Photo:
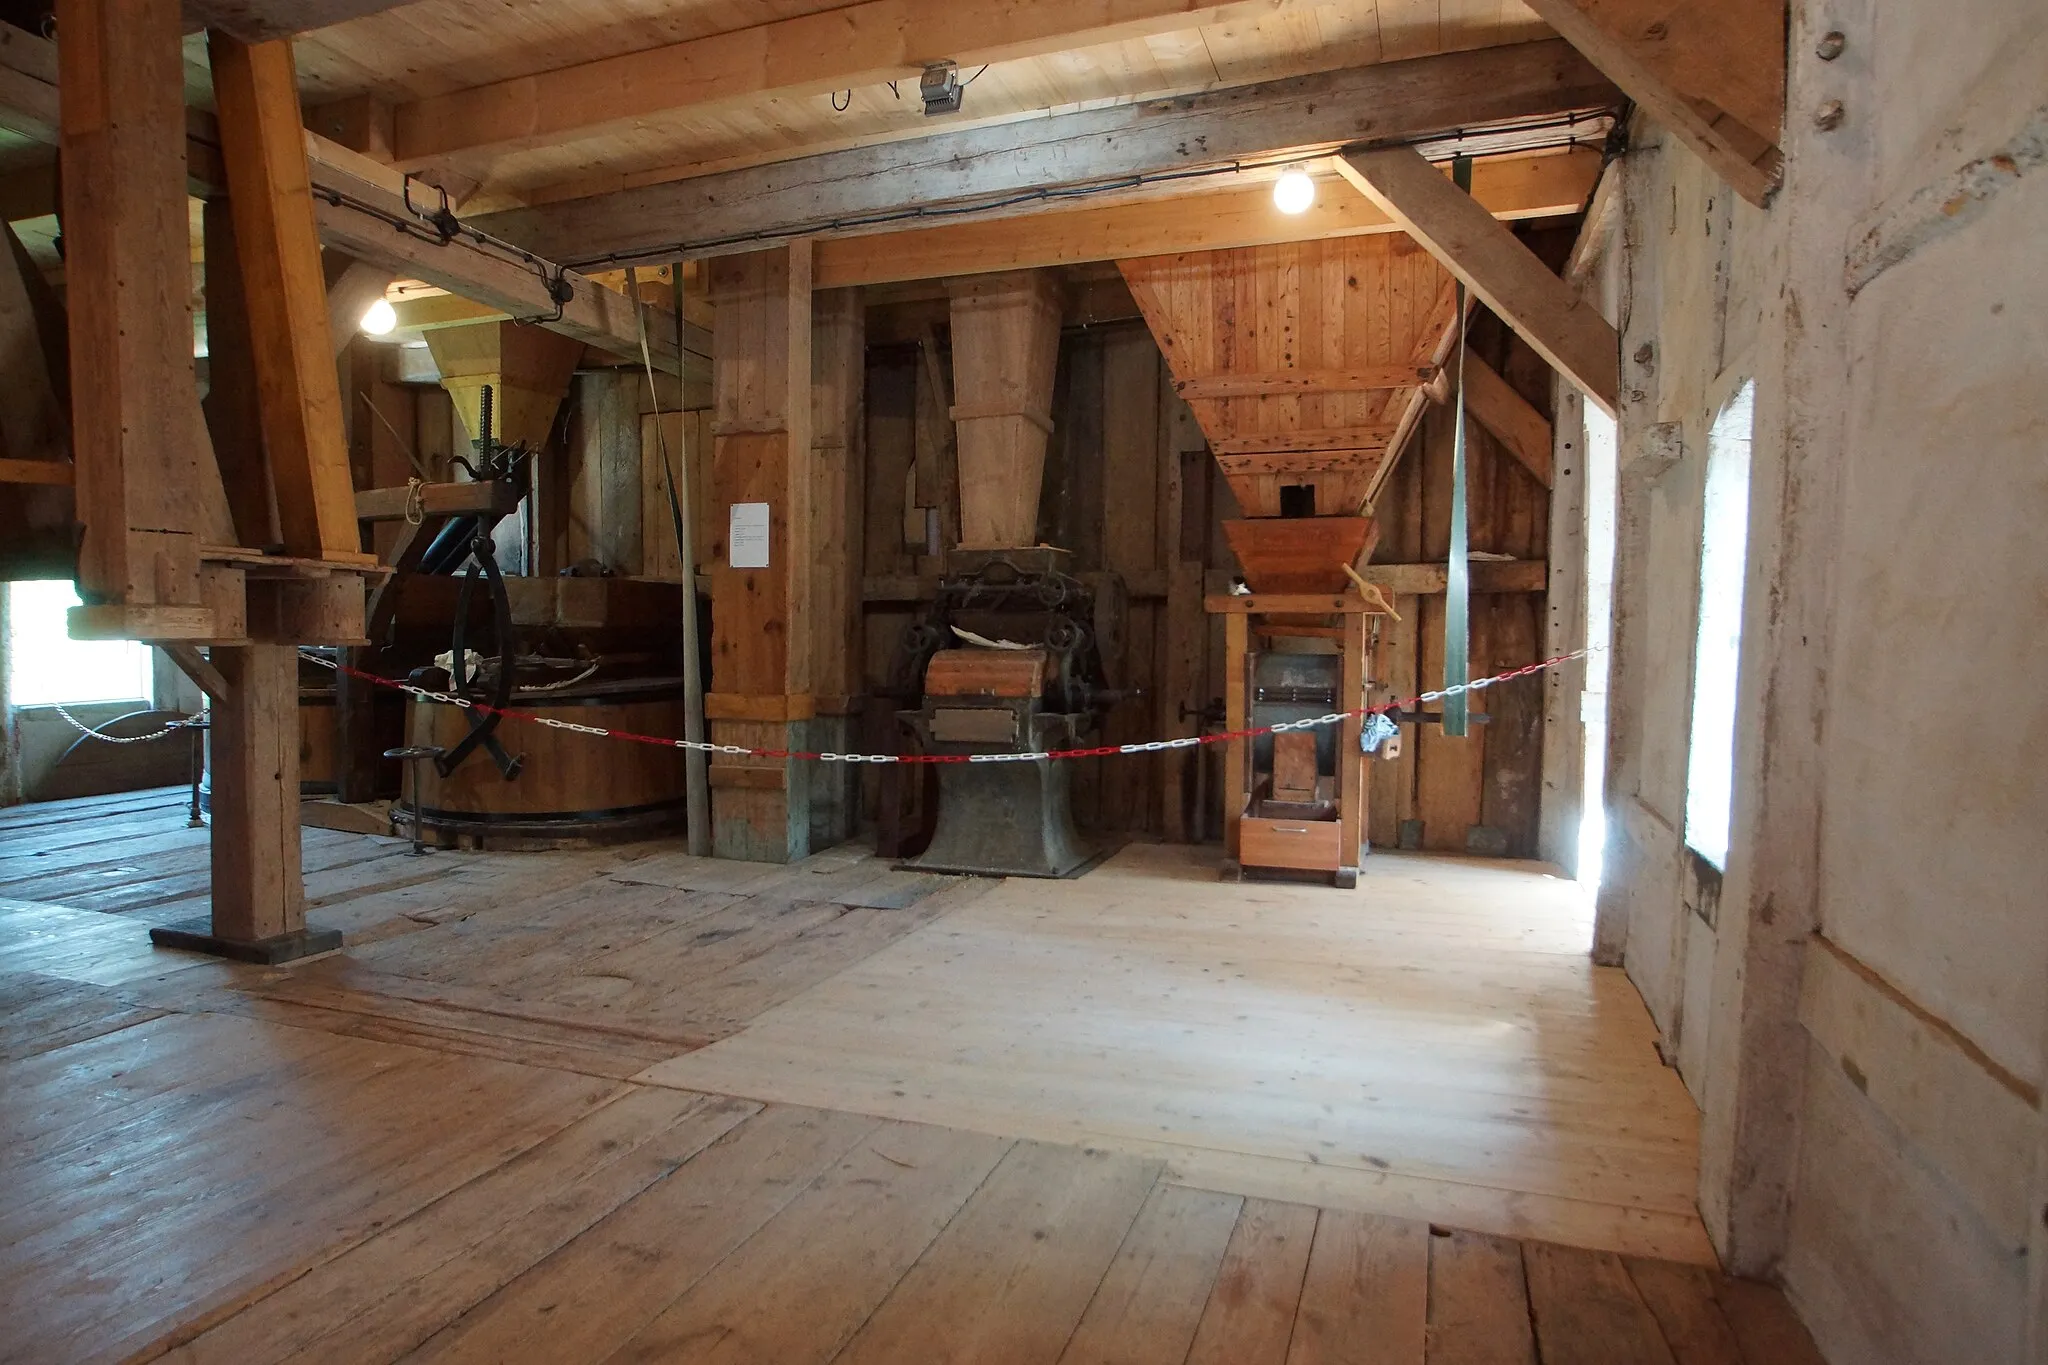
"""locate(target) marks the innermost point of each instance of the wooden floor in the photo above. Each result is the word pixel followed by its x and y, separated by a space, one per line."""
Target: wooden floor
pixel 631 1106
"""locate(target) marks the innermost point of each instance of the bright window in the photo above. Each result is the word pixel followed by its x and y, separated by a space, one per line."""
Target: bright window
pixel 1601 455
pixel 1724 548
pixel 45 665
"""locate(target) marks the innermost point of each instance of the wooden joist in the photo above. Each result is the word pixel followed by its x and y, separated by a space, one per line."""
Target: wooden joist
pixel 49 473
pixel 1712 71
pixel 256 21
pixel 1535 185
pixel 487 497
pixel 807 54
pixel 1307 115
pixel 1545 311
pixel 285 294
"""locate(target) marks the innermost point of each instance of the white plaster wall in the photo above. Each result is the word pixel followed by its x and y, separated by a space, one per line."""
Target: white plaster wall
pixel 1871 1121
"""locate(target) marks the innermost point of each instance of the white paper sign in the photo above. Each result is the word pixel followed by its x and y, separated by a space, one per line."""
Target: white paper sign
pixel 747 538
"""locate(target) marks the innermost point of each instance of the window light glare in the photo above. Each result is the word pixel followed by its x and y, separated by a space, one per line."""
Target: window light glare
pixel 380 318
pixel 1293 192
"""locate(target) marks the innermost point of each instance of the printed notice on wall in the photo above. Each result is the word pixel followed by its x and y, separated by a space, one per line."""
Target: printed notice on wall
pixel 747 538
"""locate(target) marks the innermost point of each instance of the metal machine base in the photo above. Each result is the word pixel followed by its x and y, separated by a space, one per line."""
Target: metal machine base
pixel 197 936
pixel 1005 820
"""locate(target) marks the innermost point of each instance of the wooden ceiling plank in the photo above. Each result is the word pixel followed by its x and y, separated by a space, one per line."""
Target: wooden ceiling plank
pixel 1544 310
pixel 858 45
pixel 1304 116
pixel 1712 71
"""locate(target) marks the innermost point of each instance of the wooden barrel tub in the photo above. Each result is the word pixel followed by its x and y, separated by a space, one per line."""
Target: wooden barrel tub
pixel 572 788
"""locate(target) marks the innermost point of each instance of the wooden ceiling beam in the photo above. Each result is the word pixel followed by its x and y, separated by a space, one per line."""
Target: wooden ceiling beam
pixel 1302 116
pixel 257 21
pixel 1544 310
pixel 1536 186
pixel 1712 71
pixel 858 45
pixel 598 316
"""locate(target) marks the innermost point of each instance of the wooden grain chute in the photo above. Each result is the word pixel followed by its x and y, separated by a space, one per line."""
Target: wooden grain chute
pixel 1006 338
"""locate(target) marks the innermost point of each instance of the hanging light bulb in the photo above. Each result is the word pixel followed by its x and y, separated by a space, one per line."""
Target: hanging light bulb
pixel 1293 192
pixel 380 318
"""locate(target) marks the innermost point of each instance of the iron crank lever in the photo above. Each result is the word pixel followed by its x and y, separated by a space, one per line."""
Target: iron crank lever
pixel 483 731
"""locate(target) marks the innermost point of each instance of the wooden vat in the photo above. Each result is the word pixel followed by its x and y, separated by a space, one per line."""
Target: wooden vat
pixel 571 788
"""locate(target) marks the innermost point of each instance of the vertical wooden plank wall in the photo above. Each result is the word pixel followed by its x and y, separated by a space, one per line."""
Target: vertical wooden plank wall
pixel 1482 793
pixel 838 538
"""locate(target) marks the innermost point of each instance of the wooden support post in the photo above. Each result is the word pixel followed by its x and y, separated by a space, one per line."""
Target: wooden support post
pixel 299 396
pixel 1006 343
pixel 1237 753
pixel 1473 245
pixel 259 893
pixel 838 496
pixel 761 646
pixel 1350 761
pixel 148 491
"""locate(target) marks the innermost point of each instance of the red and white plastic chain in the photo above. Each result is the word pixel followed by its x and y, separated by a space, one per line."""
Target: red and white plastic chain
pixel 1099 751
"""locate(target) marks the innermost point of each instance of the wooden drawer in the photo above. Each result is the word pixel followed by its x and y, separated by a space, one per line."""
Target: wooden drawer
pixel 1312 845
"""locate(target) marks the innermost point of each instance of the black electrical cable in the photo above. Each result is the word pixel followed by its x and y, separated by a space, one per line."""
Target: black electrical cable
pixel 1574 131
pixel 554 277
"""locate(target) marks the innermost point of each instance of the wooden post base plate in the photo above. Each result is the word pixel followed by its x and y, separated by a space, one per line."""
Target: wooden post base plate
pixel 197 936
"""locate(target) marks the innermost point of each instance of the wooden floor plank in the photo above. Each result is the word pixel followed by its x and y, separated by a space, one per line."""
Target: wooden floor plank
pixel 803 1285
pixel 394 1291
pixel 1681 1298
pixel 593 1295
pixel 1148 1306
pixel 1478 1302
pixel 1249 1317
pixel 1587 1310
pixel 1008 1280
pixel 1365 1299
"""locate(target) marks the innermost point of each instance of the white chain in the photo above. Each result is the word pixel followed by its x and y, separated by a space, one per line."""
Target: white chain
pixel 182 723
pixel 1032 756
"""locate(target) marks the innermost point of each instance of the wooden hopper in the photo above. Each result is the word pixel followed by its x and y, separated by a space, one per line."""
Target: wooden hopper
pixel 1006 342
pixel 1300 554
pixel 1304 362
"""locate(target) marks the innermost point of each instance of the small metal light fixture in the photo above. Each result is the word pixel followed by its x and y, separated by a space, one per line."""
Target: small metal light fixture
pixel 1293 192
pixel 379 319
pixel 940 88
